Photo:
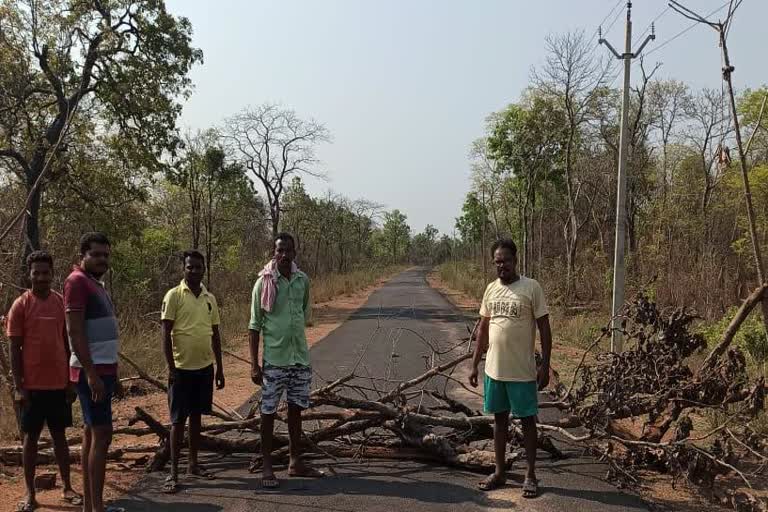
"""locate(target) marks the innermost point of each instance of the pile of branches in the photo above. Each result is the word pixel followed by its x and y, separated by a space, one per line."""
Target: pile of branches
pixel 635 410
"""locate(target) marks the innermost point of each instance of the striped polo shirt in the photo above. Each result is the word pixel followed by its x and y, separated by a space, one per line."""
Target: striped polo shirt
pixel 83 292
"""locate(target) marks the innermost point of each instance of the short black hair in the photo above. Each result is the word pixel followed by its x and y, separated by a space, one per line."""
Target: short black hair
pixel 286 237
pixel 504 243
pixel 89 239
pixel 194 254
pixel 39 257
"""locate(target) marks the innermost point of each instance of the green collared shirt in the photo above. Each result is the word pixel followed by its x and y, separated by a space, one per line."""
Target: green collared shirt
pixel 285 342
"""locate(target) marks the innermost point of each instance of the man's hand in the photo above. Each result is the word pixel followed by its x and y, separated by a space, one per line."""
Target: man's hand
pixel 543 376
pixel 98 391
pixel 21 397
pixel 473 377
pixel 220 382
pixel 71 393
pixel 256 375
pixel 119 388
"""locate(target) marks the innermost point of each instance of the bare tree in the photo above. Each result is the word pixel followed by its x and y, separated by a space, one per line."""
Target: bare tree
pixel 573 76
pixel 273 144
pixel 670 102
pixel 708 129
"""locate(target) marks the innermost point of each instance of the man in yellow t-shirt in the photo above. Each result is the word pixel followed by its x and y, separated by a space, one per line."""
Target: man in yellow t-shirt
pixel 191 342
pixel 513 307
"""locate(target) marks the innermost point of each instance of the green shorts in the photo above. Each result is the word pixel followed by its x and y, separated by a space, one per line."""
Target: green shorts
pixel 521 399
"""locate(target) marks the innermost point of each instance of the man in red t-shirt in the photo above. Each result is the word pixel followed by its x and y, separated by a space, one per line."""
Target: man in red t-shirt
pixel 40 364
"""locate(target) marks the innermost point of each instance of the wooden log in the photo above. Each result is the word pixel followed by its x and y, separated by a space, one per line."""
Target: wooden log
pixel 733 327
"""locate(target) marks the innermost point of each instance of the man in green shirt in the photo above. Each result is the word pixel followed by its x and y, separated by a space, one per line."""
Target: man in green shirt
pixel 280 309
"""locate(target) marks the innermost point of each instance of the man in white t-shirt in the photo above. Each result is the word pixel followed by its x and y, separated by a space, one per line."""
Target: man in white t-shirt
pixel 513 307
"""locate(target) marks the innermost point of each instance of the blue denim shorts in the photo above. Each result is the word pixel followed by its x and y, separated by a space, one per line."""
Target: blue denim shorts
pixel 96 413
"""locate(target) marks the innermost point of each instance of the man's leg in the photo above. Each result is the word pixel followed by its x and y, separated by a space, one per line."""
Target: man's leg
pixel 85 457
pixel 97 463
pixel 530 440
pixel 59 419
pixel 496 402
pixel 298 400
pixel 61 449
pixel 194 444
pixel 177 437
pixel 30 463
pixel 267 430
pixel 200 399
pixel 500 431
pixel 294 436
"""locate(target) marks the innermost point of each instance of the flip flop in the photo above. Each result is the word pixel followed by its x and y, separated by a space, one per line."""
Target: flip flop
pixel 270 483
pixel 76 499
pixel 114 509
pixel 202 474
pixel 171 485
pixel 26 506
pixel 530 488
pixel 307 472
pixel 491 482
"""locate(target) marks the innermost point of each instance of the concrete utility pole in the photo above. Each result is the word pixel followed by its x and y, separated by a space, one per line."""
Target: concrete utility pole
pixel 621 193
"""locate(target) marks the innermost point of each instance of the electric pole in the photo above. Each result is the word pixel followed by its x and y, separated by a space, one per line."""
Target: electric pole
pixel 621 192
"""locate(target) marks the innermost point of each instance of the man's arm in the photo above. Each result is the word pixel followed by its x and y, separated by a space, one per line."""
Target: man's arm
pixel 307 306
pixel 168 349
pixel 253 341
pixel 76 331
pixel 480 348
pixel 216 344
pixel 17 367
pixel 254 327
pixel 545 333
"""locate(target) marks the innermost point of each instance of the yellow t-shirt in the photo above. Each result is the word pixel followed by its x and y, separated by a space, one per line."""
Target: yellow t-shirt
pixel 513 310
pixel 193 321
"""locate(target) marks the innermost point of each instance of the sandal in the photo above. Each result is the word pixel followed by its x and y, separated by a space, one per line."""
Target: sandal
pixel 530 488
pixel 270 482
pixel 75 499
pixel 199 472
pixel 306 472
pixel 491 482
pixel 171 485
pixel 26 506
pixel 114 509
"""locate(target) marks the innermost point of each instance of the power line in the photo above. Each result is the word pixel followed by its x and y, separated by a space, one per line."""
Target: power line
pixel 600 25
pixel 615 19
pixel 686 30
pixel 657 18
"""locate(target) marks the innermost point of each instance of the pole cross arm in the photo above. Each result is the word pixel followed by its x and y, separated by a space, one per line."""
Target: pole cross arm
pixel 613 50
pixel 651 37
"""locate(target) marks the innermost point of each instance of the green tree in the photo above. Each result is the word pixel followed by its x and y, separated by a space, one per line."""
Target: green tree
pixel 79 72
pixel 396 235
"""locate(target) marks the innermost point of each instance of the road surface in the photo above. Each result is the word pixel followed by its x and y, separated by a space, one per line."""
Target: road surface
pixel 379 331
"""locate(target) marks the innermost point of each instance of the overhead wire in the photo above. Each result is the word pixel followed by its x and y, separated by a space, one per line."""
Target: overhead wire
pixel 610 13
pixel 686 30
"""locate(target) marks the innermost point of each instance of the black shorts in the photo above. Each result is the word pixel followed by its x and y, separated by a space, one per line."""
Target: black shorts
pixel 43 407
pixel 191 394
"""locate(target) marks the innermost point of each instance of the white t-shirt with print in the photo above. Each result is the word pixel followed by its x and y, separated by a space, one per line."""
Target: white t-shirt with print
pixel 513 310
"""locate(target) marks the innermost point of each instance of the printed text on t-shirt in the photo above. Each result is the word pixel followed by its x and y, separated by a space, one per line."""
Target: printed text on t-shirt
pixel 508 308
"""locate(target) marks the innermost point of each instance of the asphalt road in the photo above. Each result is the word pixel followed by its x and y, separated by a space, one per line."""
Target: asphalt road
pixel 388 338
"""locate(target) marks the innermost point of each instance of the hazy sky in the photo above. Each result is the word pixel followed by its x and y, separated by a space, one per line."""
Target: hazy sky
pixel 404 86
